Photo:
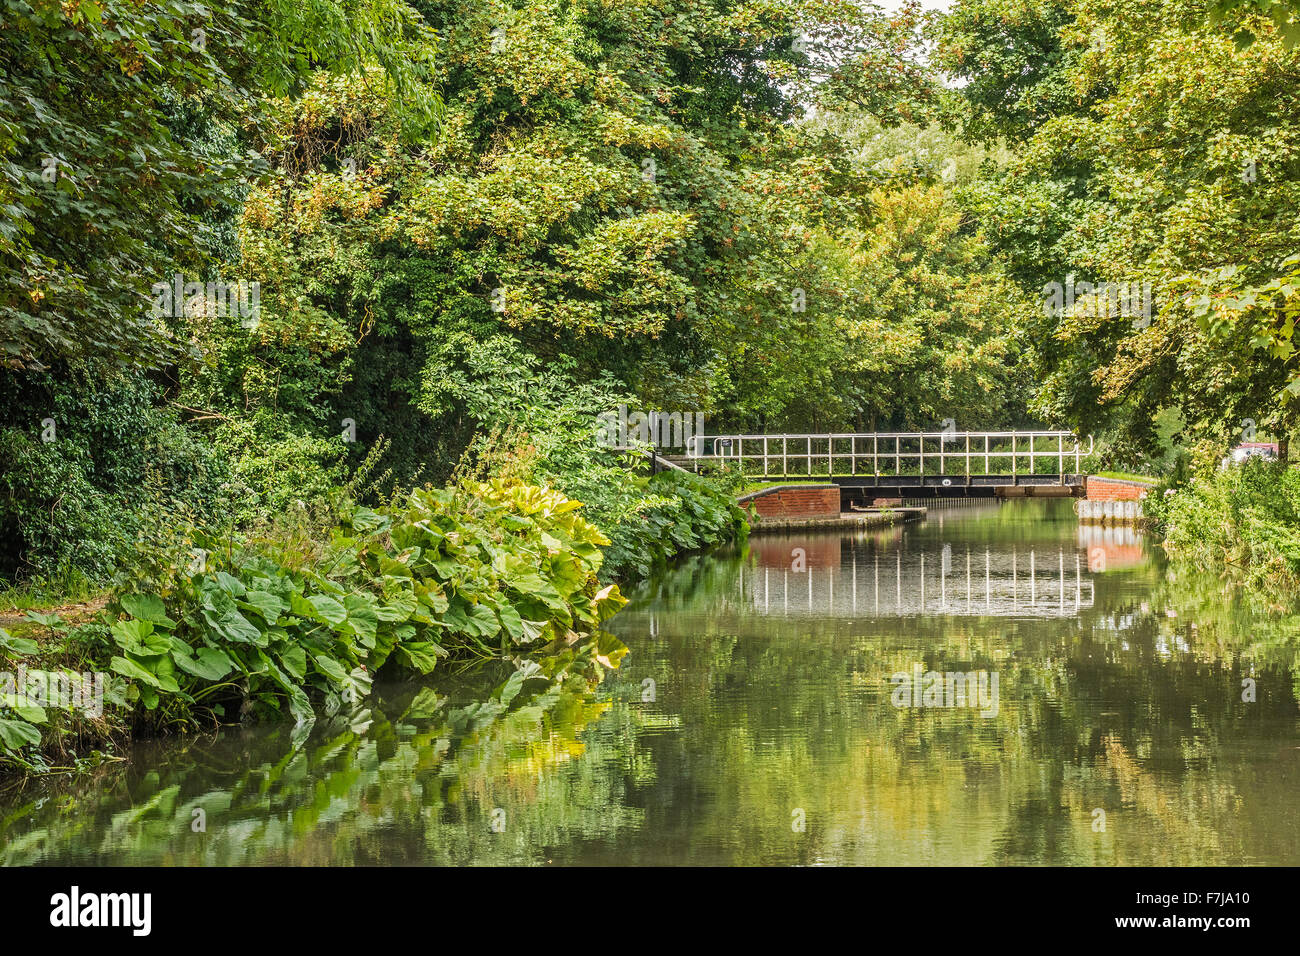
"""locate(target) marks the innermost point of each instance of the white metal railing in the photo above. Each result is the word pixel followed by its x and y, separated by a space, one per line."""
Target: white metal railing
pixel 904 454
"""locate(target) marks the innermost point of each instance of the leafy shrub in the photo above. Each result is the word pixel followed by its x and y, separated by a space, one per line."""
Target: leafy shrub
pixel 1244 519
pixel 71 494
pixel 479 568
pixel 552 439
pixel 274 466
pixel 679 512
pixel 36 730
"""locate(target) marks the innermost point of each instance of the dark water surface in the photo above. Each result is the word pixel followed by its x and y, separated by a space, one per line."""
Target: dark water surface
pixel 757 720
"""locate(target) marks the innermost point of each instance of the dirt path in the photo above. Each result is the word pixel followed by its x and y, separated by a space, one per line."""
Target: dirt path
pixel 73 613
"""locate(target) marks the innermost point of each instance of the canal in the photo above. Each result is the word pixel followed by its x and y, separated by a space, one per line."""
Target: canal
pixel 995 684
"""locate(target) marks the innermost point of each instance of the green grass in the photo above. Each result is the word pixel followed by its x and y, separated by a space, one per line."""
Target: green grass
pixel 1127 476
pixel 41 593
pixel 752 486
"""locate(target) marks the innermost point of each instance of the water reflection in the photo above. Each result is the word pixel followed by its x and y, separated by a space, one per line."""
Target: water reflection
pixel 491 771
pixel 733 711
pixel 849 578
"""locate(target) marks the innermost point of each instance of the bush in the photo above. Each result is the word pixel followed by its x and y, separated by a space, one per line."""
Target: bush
pixel 552 439
pixel 480 568
pixel 81 459
pixel 678 511
pixel 1245 520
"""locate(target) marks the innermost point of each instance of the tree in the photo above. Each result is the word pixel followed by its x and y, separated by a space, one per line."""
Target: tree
pixel 103 195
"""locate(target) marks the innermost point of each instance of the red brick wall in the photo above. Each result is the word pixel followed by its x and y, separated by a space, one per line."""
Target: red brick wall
pixel 1106 489
pixel 797 503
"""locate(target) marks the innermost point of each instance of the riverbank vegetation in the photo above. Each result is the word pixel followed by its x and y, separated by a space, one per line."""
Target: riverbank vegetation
pixel 288 288
pixel 306 616
pixel 1243 520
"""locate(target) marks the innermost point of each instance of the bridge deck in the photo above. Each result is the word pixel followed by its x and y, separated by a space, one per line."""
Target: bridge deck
pixel 899 460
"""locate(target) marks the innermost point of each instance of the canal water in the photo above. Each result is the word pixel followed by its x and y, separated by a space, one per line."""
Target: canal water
pixel 994 685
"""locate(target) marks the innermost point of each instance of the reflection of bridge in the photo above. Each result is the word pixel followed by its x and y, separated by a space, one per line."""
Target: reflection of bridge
pixel 905 463
pixel 1033 583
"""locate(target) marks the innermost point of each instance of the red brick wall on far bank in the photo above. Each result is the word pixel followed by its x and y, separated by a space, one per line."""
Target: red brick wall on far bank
pixel 795 502
pixel 1110 489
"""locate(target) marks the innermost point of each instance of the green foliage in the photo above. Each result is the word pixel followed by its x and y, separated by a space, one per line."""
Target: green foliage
pixel 606 198
pixel 285 620
pixel 1285 15
pixel 1014 62
pixel 82 460
pixel 677 512
pixel 1255 318
pixel 102 192
pixel 1243 520
pixel 1169 162
pixel 49 700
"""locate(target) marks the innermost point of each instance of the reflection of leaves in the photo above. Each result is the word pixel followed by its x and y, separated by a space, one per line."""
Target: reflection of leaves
pixel 269 792
pixel 425 705
pixel 514 684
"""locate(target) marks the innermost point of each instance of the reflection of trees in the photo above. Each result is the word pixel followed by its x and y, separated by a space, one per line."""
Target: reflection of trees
pixel 1132 705
pixel 1121 707
pixel 415 778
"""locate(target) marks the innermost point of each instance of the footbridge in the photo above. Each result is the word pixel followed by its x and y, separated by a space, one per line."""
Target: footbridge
pixel 871 465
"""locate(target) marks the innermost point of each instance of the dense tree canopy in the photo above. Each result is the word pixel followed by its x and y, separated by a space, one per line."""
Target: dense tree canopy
pixel 464 216
pixel 1168 158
